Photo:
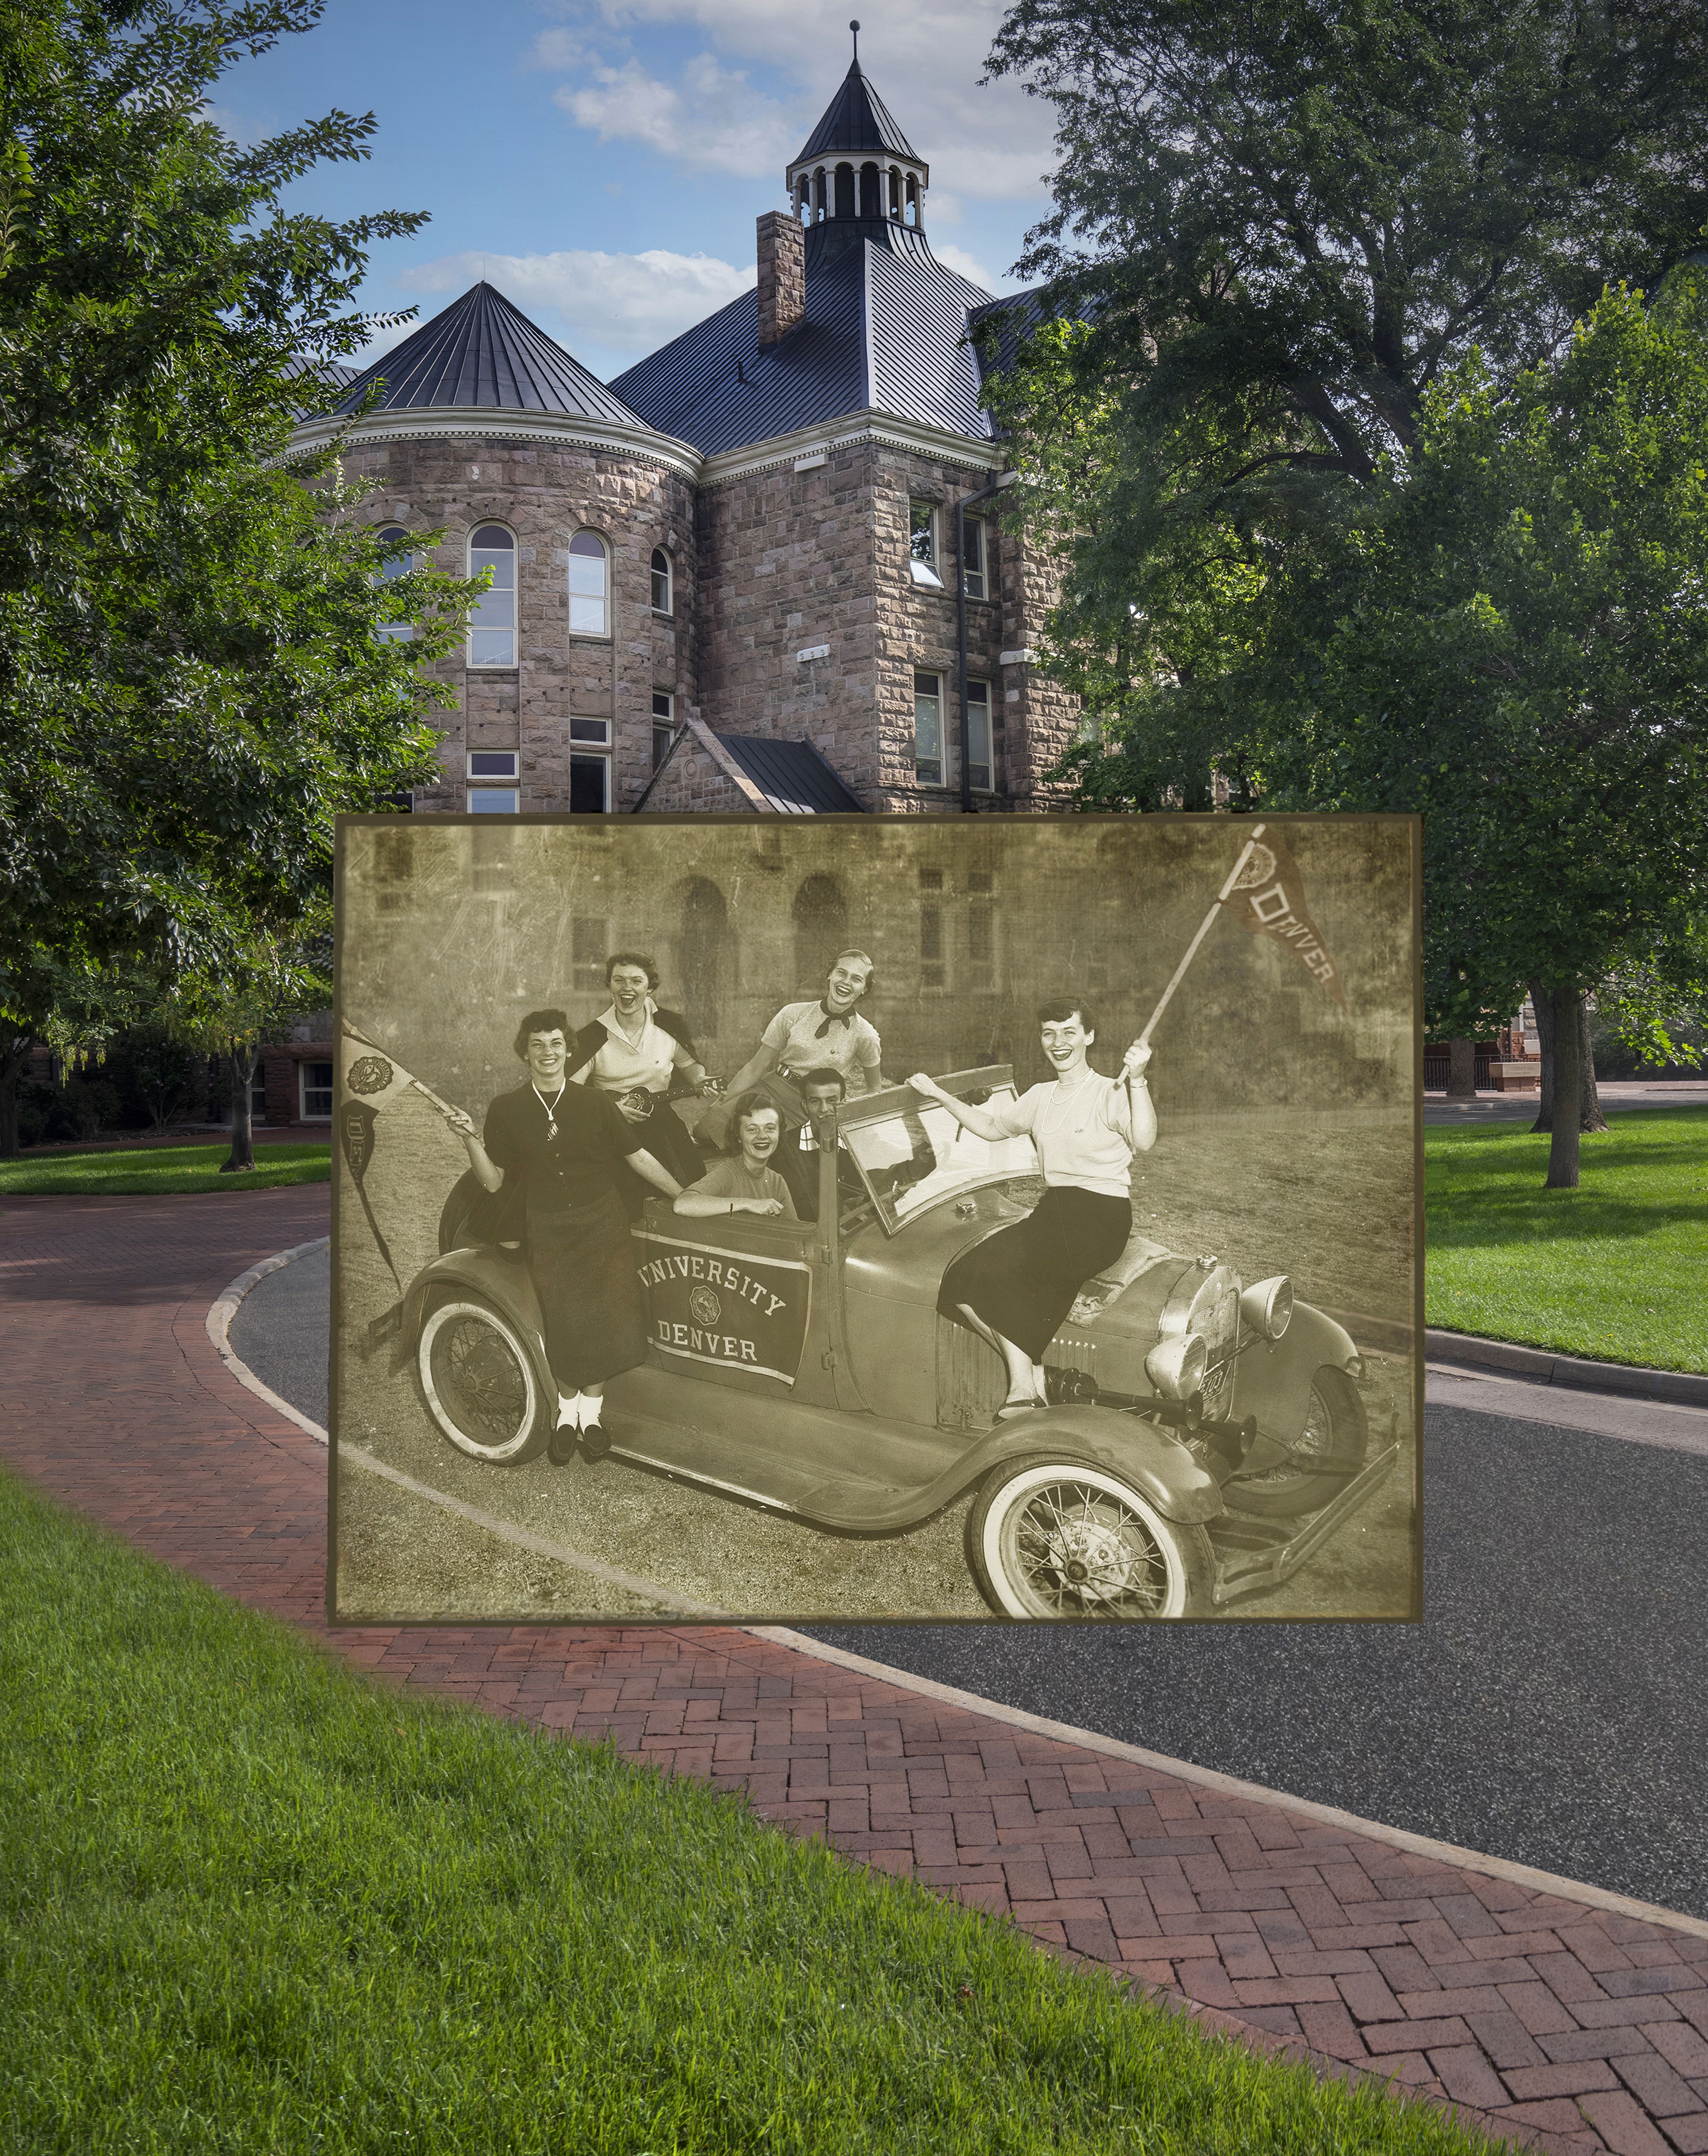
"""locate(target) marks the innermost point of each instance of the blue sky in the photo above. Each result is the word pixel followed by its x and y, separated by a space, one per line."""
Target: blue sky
pixel 602 161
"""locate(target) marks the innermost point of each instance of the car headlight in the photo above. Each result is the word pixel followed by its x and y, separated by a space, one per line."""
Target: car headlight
pixel 1176 1366
pixel 1266 1306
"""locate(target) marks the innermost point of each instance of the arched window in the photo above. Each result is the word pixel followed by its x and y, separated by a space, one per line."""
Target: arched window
pixel 492 625
pixel 894 194
pixel 663 597
pixel 821 930
pixel 400 565
pixel 819 202
pixel 701 958
pixel 844 190
pixel 589 595
pixel 912 200
pixel 870 205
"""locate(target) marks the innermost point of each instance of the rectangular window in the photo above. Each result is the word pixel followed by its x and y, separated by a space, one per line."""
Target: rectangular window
pixel 587 951
pixel 979 761
pixel 316 1081
pixel 663 725
pixel 931 946
pixel 922 543
pixel 981 945
pixel 258 1090
pixel 589 785
pixel 493 801
pixel 493 764
pixel 972 567
pixel 590 730
pixel 928 729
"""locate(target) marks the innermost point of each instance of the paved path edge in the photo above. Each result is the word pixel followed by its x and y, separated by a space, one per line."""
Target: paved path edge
pixel 219 1317
pixel 1544 1367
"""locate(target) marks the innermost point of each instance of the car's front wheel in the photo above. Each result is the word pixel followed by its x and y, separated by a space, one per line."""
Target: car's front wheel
pixel 477 1381
pixel 1049 1537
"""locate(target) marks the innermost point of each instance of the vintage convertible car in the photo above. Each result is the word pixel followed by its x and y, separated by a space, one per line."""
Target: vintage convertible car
pixel 1194 1425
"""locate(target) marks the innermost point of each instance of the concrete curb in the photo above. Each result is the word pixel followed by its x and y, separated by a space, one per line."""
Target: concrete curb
pixel 218 1326
pixel 1542 1367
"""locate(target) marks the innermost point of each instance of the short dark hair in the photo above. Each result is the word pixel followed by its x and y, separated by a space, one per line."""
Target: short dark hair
pixel 1055 1010
pixel 752 1103
pixel 824 1076
pixel 644 959
pixel 542 1021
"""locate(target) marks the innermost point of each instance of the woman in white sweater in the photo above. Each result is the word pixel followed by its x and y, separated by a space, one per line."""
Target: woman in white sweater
pixel 1015 1287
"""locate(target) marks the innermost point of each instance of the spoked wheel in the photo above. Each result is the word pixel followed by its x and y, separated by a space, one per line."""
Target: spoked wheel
pixel 1053 1538
pixel 1337 1429
pixel 477 1380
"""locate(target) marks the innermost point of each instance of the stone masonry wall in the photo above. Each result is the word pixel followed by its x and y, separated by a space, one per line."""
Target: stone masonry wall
pixel 793 560
pixel 545 492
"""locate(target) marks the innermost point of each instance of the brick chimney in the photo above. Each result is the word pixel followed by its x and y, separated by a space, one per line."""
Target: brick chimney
pixel 782 275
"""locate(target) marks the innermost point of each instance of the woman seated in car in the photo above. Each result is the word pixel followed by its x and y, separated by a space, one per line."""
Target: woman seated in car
pixel 743 1182
pixel 632 1051
pixel 1014 1288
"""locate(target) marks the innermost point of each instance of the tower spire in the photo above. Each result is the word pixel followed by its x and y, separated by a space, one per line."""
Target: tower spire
pixel 855 28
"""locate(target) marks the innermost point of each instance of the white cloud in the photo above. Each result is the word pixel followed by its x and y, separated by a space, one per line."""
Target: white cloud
pixel 992 144
pixel 966 265
pixel 714 119
pixel 624 306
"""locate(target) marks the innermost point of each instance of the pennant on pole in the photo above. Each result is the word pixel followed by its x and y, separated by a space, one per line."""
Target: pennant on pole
pixel 1268 899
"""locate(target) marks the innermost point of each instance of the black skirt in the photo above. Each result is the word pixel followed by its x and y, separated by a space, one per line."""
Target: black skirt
pixel 1022 1280
pixel 583 1263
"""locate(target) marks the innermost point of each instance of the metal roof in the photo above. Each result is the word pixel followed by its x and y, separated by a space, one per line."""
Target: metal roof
pixel 792 776
pixel 884 327
pixel 857 119
pixel 483 351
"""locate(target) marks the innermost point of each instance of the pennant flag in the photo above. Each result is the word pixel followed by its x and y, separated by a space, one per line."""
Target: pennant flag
pixel 1268 899
pixel 372 1080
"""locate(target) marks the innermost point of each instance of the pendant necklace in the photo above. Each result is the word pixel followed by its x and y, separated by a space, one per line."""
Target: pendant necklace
pixel 550 1109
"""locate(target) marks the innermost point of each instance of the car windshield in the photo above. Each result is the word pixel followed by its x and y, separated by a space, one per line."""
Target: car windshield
pixel 911 1158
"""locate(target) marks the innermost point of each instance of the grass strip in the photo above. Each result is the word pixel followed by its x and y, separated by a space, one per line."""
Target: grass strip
pixel 254 1900
pixel 157 1171
pixel 1612 1270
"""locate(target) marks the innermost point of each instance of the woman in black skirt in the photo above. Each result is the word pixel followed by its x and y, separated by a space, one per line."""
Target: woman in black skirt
pixel 563 1146
pixel 1015 1287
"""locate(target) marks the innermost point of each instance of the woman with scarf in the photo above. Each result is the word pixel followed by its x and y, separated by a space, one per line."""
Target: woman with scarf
pixel 630 1052
pixel 826 1034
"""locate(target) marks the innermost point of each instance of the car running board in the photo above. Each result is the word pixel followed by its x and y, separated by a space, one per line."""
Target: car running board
pixel 1251 1554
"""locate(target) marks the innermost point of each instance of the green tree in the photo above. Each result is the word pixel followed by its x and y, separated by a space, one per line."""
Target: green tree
pixel 1511 636
pixel 191 681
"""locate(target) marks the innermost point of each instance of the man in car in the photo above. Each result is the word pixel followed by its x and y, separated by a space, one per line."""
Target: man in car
pixel 796 1159
pixel 827 1032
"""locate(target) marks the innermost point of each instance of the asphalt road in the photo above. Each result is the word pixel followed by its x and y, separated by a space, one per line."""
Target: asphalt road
pixel 1552 1708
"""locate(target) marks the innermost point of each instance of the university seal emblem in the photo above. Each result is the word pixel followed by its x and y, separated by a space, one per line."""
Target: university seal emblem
pixel 706 1306
pixel 369 1073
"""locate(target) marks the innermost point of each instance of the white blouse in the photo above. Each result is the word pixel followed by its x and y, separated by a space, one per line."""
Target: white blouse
pixel 621 1066
pixel 1084 1133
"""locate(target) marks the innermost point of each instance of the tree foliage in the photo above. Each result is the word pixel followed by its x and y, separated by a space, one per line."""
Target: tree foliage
pixel 191 682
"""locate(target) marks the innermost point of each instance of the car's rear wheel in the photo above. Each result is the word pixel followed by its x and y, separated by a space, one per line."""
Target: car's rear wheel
pixel 1050 1538
pixel 477 1380
pixel 1326 1454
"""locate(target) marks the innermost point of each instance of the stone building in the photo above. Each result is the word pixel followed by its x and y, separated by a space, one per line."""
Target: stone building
pixel 728 580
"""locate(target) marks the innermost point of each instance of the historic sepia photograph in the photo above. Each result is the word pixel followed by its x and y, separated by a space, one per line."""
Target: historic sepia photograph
pixel 842 1218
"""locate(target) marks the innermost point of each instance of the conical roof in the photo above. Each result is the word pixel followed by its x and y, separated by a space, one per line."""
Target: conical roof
pixel 482 352
pixel 857 119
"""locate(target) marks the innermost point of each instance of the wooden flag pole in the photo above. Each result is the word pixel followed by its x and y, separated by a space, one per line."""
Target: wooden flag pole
pixel 1233 876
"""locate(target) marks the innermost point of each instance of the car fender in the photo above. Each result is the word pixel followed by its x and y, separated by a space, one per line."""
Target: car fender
pixel 1272 1379
pixel 1150 1459
pixel 500 1280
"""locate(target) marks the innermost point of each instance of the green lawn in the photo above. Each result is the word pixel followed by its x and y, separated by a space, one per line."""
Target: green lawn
pixel 1615 1270
pixel 150 1171
pixel 252 1901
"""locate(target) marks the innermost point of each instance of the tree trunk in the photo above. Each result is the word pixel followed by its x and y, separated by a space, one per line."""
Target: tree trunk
pixel 1589 1115
pixel 1568 1088
pixel 241 1062
pixel 1461 1070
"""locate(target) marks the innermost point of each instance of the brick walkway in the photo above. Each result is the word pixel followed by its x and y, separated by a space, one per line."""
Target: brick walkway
pixel 1549 2021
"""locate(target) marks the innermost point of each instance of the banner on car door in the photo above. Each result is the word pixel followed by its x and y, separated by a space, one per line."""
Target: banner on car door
pixel 728 1307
